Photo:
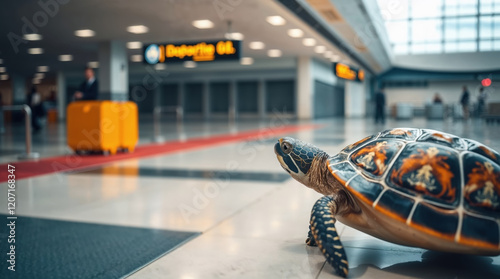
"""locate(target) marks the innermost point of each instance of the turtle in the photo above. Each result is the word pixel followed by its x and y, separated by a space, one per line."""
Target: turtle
pixel 414 187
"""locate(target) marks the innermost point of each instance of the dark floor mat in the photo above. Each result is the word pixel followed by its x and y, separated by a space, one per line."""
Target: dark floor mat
pixel 189 173
pixel 60 249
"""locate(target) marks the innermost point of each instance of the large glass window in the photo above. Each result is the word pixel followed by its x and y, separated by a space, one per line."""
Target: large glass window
pixel 436 26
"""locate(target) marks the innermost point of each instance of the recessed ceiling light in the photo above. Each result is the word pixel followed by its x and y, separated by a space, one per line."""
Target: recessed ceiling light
pixel 35 50
pixel 32 37
pixel 85 33
pixel 93 64
pixel 276 20
pixel 160 67
pixel 138 29
pixel 256 45
pixel 203 24
pixel 136 58
pixel 190 64
pixel 4 77
pixel 328 54
pixel 134 45
pixel 335 58
pixel 274 53
pixel 320 49
pixel 43 69
pixel 39 75
pixel 65 57
pixel 3 69
pixel 295 33
pixel 246 61
pixel 234 36
pixel 309 42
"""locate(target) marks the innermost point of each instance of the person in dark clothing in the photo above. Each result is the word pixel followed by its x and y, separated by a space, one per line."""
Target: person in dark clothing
pixel 34 101
pixel 437 99
pixel 464 100
pixel 380 106
pixel 88 89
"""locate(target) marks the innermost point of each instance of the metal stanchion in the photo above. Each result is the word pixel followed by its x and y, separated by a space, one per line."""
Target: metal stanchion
pixel 27 123
pixel 157 125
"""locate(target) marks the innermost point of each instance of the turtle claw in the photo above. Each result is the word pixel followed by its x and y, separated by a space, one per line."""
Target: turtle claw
pixel 323 230
pixel 310 241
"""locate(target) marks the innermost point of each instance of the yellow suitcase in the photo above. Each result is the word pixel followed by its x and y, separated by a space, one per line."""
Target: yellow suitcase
pixel 93 126
pixel 129 126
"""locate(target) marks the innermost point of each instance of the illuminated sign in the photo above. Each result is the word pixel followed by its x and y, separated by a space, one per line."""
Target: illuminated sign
pixel 198 51
pixel 347 72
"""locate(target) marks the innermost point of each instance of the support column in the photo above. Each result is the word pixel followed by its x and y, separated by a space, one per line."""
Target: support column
pixel 19 89
pixel 61 95
pixel 304 88
pixel 113 71
pixel 355 99
pixel 233 100
pixel 206 101
pixel 261 99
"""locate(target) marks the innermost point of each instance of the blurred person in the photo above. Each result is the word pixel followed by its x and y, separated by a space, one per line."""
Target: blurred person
pixel 437 99
pixel 482 97
pixel 88 88
pixel 34 101
pixel 380 106
pixel 464 101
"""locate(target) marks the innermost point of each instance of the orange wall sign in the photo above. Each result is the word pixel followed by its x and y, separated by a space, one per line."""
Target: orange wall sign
pixel 345 71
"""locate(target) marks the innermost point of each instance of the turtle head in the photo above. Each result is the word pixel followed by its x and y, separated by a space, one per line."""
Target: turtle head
pixel 297 158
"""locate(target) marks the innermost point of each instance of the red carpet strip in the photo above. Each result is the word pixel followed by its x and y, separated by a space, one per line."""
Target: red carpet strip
pixel 27 169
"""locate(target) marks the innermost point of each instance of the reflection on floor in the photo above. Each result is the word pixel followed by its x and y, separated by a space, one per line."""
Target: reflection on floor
pixel 253 222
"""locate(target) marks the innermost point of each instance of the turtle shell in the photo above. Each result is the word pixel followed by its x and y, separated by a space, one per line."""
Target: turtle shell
pixel 436 182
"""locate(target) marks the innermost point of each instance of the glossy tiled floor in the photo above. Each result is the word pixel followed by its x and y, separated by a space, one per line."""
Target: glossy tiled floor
pixel 252 228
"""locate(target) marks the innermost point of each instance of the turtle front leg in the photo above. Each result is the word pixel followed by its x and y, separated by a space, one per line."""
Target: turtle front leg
pixel 322 227
pixel 310 238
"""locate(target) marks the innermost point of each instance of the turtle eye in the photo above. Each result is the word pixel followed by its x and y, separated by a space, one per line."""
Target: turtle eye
pixel 287 147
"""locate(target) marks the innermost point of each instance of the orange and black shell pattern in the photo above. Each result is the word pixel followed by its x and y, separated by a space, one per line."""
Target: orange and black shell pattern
pixel 436 182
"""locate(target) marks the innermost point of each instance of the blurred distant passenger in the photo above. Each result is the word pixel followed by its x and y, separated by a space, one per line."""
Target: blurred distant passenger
pixel 380 106
pixel 482 97
pixel 34 101
pixel 464 101
pixel 437 99
pixel 88 89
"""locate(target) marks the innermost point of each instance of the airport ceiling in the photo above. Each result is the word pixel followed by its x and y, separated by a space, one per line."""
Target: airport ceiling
pixel 167 20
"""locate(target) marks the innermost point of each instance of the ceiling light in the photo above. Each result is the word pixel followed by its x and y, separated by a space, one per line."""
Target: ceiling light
pixel 134 45
pixel 4 77
pixel 234 36
pixel 276 20
pixel 190 64
pixel 136 58
pixel 309 42
pixel 246 61
pixel 65 57
pixel 93 64
pixel 43 69
pixel 256 45
pixel 320 49
pixel 3 69
pixel 138 29
pixel 203 24
pixel 295 33
pixel 274 53
pixel 35 50
pixel 85 33
pixel 335 58
pixel 32 37
pixel 160 67
pixel 39 75
pixel 328 54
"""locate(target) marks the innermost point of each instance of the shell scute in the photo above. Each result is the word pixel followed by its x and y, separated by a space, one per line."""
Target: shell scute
pixel 474 232
pixel 429 170
pixel 395 205
pixel 435 220
pixel 482 185
pixel 401 133
pixel 374 157
pixel 367 190
pixel 355 145
pixel 443 139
